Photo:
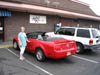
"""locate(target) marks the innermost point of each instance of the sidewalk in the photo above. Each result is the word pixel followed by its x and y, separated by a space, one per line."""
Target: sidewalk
pixel 6 44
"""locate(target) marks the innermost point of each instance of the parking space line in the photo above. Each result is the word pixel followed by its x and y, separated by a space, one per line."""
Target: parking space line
pixel 31 63
pixel 85 59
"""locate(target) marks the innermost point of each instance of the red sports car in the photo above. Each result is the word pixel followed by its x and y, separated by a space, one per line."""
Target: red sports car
pixel 47 47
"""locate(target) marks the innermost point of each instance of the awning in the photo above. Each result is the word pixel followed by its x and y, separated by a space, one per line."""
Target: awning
pixel 45 10
pixel 5 13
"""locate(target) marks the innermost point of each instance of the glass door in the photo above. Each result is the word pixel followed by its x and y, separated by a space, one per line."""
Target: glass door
pixel 1 29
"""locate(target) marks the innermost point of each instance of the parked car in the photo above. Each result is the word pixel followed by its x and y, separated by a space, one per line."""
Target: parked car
pixel 86 38
pixel 44 47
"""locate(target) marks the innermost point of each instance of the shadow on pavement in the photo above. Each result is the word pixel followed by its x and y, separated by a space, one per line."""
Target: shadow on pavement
pixel 90 53
pixel 66 60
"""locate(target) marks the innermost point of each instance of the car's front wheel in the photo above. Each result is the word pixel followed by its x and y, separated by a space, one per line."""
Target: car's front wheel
pixel 80 48
pixel 15 45
pixel 40 56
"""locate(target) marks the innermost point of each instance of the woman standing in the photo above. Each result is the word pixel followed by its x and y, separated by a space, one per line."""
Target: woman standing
pixel 22 39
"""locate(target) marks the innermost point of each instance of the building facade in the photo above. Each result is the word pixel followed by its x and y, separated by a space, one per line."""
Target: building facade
pixel 41 15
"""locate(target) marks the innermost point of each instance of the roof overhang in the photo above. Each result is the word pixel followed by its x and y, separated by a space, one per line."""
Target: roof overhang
pixel 45 10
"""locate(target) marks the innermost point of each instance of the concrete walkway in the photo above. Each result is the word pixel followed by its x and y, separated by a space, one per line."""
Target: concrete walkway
pixel 6 44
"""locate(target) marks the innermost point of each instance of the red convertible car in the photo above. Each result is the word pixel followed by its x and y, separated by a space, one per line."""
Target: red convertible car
pixel 44 47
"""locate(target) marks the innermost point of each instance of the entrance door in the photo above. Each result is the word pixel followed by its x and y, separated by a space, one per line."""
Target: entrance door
pixel 1 29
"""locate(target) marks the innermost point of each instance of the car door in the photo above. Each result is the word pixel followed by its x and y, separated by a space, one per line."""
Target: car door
pixel 31 37
pixel 83 36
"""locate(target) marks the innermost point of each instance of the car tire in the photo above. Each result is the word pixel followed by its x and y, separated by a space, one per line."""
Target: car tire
pixel 15 45
pixel 80 48
pixel 40 56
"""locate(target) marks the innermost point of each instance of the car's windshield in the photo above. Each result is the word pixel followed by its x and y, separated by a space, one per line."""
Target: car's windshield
pixel 95 33
pixel 34 35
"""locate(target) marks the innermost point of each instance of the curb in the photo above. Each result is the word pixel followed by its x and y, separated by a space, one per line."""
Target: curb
pixel 6 46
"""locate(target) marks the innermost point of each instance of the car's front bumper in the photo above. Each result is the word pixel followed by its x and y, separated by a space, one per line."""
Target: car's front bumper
pixel 92 47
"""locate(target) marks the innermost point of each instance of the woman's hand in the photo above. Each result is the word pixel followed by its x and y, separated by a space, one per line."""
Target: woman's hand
pixel 28 40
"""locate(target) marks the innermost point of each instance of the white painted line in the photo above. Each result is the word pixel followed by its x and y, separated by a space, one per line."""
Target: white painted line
pixel 85 59
pixel 31 63
pixel 12 52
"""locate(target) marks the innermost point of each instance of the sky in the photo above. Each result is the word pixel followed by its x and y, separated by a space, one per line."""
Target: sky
pixel 94 5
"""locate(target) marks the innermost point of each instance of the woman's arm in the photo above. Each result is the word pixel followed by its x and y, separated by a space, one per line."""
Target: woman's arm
pixel 19 40
pixel 27 40
pixel 19 43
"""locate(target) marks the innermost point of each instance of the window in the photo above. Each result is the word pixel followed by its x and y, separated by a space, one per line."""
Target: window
pixel 66 31
pixel 60 31
pixel 69 31
pixel 32 35
pixel 95 34
pixel 83 33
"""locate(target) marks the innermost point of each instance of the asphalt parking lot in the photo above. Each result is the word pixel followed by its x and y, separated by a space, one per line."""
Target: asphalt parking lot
pixel 79 64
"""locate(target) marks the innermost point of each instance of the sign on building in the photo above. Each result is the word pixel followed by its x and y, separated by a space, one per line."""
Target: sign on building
pixel 38 19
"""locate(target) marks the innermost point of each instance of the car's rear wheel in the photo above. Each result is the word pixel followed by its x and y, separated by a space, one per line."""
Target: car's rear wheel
pixel 40 56
pixel 15 45
pixel 80 48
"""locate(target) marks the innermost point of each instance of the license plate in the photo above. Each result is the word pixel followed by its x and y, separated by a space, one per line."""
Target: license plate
pixel 68 53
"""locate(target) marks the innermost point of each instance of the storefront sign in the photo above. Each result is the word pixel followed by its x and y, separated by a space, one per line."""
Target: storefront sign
pixel 37 19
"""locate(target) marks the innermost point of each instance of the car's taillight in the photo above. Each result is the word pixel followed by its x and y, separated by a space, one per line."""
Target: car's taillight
pixel 91 42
